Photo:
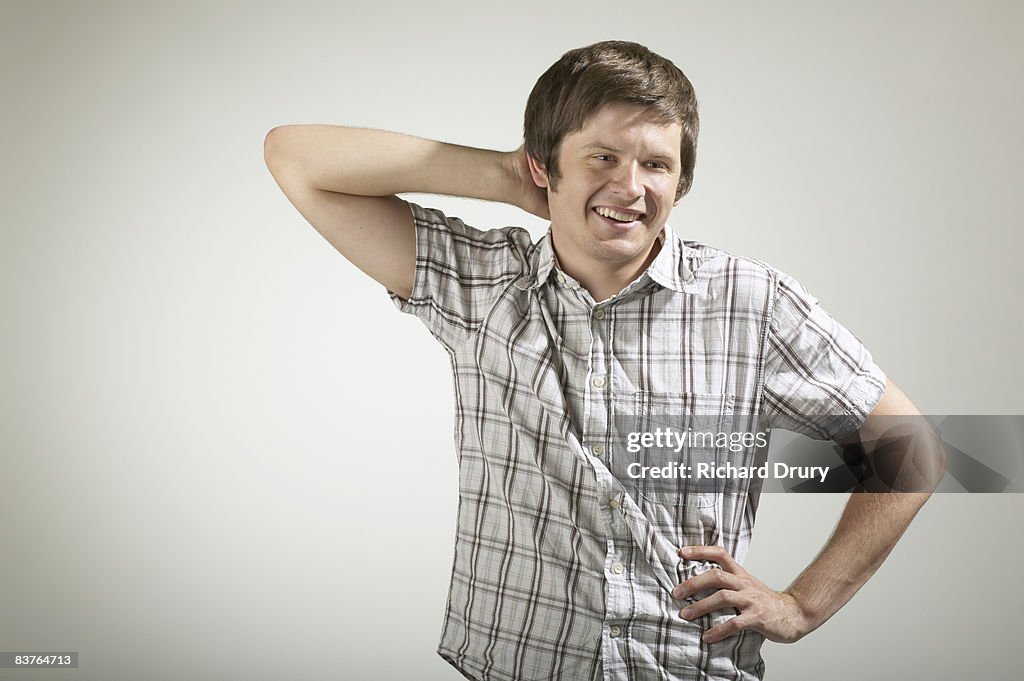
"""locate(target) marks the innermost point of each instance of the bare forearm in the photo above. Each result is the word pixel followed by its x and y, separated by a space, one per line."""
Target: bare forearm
pixel 366 162
pixel 868 530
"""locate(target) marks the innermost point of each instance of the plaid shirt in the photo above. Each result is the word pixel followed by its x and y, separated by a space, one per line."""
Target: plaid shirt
pixel 560 570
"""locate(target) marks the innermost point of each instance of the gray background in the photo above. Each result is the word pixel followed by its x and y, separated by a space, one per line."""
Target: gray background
pixel 224 453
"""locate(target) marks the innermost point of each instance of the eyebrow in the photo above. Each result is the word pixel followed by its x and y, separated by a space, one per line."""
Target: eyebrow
pixel 597 146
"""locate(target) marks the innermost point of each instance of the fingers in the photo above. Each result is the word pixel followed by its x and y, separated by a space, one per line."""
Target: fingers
pixel 721 600
pixel 775 615
pixel 731 576
pixel 717 554
pixel 734 591
pixel 712 579
pixel 733 625
pixel 724 600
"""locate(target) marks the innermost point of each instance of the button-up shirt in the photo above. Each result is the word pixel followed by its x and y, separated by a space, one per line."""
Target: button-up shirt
pixel 562 570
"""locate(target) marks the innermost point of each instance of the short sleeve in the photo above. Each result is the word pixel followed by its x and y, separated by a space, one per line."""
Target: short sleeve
pixel 819 379
pixel 460 272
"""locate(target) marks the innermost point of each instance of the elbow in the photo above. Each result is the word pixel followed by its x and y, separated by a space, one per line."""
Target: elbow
pixel 903 454
pixel 281 149
pixel 272 148
pixel 928 460
pixel 940 464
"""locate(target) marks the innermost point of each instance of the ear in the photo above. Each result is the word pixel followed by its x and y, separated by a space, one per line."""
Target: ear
pixel 538 171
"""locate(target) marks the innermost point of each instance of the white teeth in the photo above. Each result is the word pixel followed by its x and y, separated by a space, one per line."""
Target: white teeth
pixel 614 214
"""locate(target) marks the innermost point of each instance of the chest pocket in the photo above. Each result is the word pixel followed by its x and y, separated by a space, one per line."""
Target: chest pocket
pixel 670 446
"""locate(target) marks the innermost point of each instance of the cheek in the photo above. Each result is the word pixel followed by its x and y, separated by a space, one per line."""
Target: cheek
pixel 665 194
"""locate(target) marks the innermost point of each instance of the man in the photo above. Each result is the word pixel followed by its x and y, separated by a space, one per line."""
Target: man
pixel 562 571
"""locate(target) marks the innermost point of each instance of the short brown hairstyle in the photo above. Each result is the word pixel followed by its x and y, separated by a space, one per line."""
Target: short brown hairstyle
pixel 585 79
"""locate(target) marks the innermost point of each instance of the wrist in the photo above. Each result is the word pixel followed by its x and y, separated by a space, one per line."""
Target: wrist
pixel 804 618
pixel 511 182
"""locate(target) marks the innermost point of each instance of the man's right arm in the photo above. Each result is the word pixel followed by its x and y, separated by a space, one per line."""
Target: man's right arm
pixel 344 181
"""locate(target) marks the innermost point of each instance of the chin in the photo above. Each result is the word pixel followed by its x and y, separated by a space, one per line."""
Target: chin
pixel 619 251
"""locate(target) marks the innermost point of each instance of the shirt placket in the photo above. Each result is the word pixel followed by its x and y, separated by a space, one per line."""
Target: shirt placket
pixel 587 332
pixel 619 558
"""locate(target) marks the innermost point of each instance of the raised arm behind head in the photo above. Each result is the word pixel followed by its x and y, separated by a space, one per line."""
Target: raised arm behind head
pixel 344 181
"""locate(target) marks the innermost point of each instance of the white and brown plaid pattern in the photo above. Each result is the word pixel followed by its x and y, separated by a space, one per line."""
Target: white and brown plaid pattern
pixel 559 572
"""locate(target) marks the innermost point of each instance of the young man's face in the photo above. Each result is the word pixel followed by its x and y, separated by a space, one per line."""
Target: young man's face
pixel 621 162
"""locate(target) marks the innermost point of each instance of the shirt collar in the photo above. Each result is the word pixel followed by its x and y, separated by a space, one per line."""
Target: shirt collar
pixel 670 267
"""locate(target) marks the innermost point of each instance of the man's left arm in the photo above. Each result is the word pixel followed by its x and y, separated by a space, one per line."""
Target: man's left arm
pixel 897 438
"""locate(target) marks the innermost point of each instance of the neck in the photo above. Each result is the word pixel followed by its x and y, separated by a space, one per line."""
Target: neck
pixel 604 279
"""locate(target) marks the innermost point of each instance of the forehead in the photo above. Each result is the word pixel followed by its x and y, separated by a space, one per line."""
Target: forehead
pixel 620 123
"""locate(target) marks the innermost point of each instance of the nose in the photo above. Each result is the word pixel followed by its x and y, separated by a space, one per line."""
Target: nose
pixel 626 181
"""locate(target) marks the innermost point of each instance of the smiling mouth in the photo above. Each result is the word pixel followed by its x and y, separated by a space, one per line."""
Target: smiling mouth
pixel 618 218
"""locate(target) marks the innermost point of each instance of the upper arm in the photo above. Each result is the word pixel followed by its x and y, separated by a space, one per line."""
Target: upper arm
pixel 892 403
pixel 900 444
pixel 375 233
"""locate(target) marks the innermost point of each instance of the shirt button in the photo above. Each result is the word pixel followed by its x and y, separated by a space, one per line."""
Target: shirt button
pixel 598 381
pixel 597 449
pixel 615 631
pixel 614 503
pixel 618 568
pixel 599 314
pixel 561 279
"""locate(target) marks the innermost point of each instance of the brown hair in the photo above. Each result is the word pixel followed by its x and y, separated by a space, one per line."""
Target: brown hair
pixel 585 79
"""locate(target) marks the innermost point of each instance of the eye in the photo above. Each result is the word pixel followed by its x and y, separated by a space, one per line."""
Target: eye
pixel 604 157
pixel 658 164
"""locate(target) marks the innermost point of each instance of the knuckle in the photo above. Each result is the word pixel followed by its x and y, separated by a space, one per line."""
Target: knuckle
pixel 717 576
pixel 732 598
